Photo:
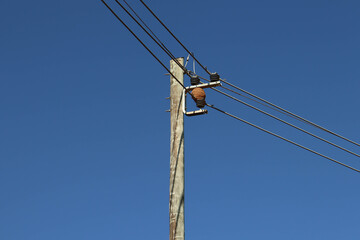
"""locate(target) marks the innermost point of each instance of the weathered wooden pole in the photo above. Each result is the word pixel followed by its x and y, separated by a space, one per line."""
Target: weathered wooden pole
pixel 176 208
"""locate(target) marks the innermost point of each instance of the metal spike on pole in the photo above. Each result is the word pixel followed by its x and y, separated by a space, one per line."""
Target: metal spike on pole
pixel 176 202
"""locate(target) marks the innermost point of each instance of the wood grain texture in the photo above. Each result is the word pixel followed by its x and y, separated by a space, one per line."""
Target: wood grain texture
pixel 176 203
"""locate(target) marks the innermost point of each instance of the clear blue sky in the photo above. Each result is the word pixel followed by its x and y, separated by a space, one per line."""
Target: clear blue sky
pixel 84 146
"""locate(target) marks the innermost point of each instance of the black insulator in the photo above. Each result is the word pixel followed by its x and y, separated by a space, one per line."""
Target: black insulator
pixel 200 103
pixel 214 77
pixel 195 80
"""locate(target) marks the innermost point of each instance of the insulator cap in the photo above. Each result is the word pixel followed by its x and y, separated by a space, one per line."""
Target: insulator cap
pixel 195 80
pixel 200 103
pixel 214 77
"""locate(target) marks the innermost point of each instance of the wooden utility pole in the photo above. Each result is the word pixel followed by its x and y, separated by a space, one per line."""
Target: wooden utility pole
pixel 176 203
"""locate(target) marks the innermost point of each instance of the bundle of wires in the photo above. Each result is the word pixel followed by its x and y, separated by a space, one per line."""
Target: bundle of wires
pixel 230 87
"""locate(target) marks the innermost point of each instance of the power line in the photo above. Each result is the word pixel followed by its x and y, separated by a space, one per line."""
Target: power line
pixel 279 119
pixel 285 139
pixel 211 106
pixel 251 99
pixel 287 123
pixel 253 95
pixel 153 36
pixel 161 22
pixel 137 15
pixel 143 44
pixel 292 114
pixel 279 109
pixel 160 44
pixel 157 40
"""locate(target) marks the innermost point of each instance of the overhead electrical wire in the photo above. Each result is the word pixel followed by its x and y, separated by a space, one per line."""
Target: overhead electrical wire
pixel 165 49
pixel 153 35
pixel 252 99
pixel 157 38
pixel 292 114
pixel 287 123
pixel 279 119
pixel 270 115
pixel 284 111
pixel 285 139
pixel 143 44
pixel 187 50
pixel 159 43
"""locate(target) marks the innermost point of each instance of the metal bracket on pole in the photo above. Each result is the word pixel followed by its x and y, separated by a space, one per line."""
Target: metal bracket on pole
pixel 200 111
pixel 205 85
pixel 197 112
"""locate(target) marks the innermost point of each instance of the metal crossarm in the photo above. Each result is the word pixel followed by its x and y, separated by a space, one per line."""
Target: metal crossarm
pixel 205 85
